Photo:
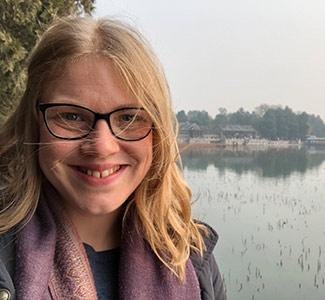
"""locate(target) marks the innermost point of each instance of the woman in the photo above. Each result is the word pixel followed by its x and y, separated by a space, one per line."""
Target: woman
pixel 93 203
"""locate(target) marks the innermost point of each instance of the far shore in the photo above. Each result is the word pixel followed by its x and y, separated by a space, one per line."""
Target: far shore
pixel 238 146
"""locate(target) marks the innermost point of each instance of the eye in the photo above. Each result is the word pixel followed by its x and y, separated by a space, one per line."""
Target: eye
pixel 127 117
pixel 70 116
pixel 130 119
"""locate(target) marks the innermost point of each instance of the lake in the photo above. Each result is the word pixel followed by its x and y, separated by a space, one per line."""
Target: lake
pixel 268 208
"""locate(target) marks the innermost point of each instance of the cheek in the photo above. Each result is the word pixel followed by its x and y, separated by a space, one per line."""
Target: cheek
pixel 51 150
pixel 44 149
pixel 44 135
pixel 47 154
pixel 141 152
pixel 148 150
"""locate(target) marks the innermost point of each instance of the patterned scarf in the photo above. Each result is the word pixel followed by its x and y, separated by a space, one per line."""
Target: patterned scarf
pixel 51 263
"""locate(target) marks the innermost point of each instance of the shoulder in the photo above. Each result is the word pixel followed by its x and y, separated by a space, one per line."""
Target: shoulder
pixel 206 268
pixel 7 250
pixel 210 240
pixel 7 264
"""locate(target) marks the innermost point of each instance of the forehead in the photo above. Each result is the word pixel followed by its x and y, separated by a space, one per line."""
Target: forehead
pixel 91 81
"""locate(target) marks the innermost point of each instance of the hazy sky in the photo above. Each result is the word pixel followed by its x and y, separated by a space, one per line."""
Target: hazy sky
pixel 235 53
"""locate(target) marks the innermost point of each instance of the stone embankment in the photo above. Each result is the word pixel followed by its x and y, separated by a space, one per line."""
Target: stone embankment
pixel 197 143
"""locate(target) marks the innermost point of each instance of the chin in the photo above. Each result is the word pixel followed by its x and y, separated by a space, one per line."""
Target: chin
pixel 98 207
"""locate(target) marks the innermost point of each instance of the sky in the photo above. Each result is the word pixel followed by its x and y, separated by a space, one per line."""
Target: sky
pixel 234 53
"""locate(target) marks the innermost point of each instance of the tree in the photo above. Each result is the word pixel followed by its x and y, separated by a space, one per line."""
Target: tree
pixel 263 108
pixel 220 120
pixel 222 111
pixel 303 125
pixel 292 124
pixel 181 116
pixel 282 117
pixel 201 117
pixel 240 117
pixel 317 126
pixel 267 126
pixel 21 23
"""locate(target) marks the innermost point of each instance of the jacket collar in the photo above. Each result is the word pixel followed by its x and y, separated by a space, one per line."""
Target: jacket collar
pixel 210 240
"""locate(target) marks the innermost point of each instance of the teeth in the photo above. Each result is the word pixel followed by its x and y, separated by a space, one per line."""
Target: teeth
pixel 102 174
pixel 96 174
pixel 105 173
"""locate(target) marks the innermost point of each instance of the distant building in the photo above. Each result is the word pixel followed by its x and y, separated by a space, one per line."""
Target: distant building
pixel 312 140
pixel 238 131
pixel 189 130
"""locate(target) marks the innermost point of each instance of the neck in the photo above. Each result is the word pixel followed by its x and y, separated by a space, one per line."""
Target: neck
pixel 101 232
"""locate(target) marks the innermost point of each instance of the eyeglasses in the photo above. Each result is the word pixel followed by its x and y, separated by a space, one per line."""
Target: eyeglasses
pixel 73 122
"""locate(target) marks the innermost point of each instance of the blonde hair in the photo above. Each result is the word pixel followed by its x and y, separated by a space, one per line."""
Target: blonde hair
pixel 161 203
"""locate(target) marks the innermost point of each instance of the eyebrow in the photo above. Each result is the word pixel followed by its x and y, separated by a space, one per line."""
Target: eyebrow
pixel 69 102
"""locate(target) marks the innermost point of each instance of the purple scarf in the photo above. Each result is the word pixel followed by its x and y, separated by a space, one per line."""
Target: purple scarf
pixel 51 263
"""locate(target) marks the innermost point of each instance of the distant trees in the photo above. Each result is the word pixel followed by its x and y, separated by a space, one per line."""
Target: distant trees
pixel 181 116
pixel 283 123
pixel 317 125
pixel 201 117
pixel 221 119
pixel 271 122
pixel 21 22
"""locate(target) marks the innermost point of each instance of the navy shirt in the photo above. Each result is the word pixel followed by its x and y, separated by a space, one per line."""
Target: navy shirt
pixel 104 265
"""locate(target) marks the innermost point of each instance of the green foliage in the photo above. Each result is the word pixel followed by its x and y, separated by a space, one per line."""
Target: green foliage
pixel 21 23
pixel 317 126
pixel 181 116
pixel 220 120
pixel 271 122
pixel 199 117
pixel 267 125
pixel 283 124
pixel 240 117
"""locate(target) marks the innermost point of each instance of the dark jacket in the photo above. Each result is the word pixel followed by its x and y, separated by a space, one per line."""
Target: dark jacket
pixel 211 282
pixel 7 266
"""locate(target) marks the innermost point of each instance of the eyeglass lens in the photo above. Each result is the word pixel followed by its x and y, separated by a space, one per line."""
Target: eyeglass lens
pixel 70 122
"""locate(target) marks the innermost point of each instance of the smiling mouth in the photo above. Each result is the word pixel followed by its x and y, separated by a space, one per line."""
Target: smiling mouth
pixel 100 174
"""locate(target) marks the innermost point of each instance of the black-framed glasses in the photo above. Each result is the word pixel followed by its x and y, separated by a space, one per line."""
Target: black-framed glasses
pixel 74 122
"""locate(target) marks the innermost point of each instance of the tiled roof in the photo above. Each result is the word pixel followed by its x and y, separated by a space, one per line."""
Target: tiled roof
pixel 189 126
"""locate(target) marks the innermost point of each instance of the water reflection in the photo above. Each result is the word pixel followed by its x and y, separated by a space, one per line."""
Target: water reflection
pixel 270 224
pixel 268 163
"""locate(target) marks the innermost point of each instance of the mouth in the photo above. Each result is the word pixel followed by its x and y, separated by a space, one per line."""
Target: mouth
pixel 102 173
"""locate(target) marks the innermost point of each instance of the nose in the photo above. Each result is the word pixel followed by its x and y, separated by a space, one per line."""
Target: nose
pixel 101 142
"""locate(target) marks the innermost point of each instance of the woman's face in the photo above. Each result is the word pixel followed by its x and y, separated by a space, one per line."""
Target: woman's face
pixel 94 175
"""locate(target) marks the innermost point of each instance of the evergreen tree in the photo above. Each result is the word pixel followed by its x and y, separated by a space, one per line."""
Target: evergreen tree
pixel 181 116
pixel 200 117
pixel 21 23
pixel 317 126
pixel 303 125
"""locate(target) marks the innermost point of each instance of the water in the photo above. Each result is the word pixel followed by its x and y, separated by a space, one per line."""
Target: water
pixel 268 208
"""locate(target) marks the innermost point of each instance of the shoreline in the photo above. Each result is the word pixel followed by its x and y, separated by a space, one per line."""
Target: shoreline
pixel 262 146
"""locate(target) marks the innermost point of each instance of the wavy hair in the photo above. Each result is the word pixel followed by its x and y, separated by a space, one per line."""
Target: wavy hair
pixel 162 202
